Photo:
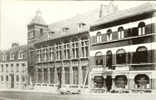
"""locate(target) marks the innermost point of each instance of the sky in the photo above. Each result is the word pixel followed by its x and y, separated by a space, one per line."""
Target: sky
pixel 15 15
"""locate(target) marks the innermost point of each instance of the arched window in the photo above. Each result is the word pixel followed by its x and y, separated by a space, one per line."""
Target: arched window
pixel 121 56
pixel 120 81
pixel 98 37
pixel 142 81
pixel 109 59
pixel 2 78
pixel 109 35
pixel 99 58
pixel 141 28
pixel 142 53
pixel 120 33
pixel 98 81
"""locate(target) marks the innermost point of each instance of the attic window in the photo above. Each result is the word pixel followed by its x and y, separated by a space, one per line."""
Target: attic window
pixel 81 25
pixel 65 29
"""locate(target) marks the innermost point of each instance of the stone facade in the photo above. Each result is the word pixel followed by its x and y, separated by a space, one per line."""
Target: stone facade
pixel 122 54
pixel 13 67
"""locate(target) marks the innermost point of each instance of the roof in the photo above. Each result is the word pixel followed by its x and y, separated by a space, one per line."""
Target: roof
pixel 72 24
pixel 147 7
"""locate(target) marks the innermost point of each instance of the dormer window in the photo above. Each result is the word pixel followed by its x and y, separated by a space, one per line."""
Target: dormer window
pixel 12 56
pixel 120 33
pixel 81 25
pixel 65 29
pixel 98 37
pixel 141 28
pixel 109 35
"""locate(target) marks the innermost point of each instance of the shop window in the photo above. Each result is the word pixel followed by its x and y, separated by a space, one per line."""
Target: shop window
pixel 109 35
pixel 141 55
pixel 141 28
pixel 99 58
pixel 120 33
pixel 98 82
pixel 120 81
pixel 142 81
pixel 121 56
pixel 109 59
pixel 99 37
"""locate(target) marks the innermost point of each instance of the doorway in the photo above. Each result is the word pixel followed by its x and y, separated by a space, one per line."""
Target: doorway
pixel 109 82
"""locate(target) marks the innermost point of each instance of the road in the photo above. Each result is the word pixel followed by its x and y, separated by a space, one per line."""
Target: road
pixel 18 95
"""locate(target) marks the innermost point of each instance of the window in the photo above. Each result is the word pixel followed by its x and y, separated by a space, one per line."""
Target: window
pixel 67 75
pixel 51 53
pixel 75 49
pixel 109 59
pixel 17 78
pixel 2 68
pixel 12 56
pixel 99 37
pixel 84 47
pixel 142 81
pixel 142 53
pixel 17 67
pixel 141 28
pixel 41 31
pixel 20 55
pixel 121 56
pixel 6 67
pixel 2 78
pixel 39 55
pixel 58 52
pixel 23 78
pixel 109 35
pixel 12 65
pixel 4 57
pixel 52 70
pixel 65 29
pixel 84 75
pixel 120 33
pixel 45 75
pixel 98 81
pixel 67 51
pixel 120 81
pixel 39 75
pixel 7 78
pixel 99 58
pixel 75 75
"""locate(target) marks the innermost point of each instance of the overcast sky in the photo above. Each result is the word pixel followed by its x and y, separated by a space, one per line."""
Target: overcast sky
pixel 15 15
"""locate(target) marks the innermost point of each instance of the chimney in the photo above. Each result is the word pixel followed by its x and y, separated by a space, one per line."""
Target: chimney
pixel 101 11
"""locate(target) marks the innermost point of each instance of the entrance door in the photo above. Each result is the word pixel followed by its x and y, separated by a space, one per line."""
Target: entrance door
pixel 12 81
pixel 109 83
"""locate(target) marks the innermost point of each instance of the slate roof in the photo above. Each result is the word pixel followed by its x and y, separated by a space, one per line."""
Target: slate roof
pixel 144 8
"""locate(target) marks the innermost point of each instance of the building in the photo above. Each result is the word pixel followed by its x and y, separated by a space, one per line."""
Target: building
pixel 58 53
pixel 122 52
pixel 13 67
